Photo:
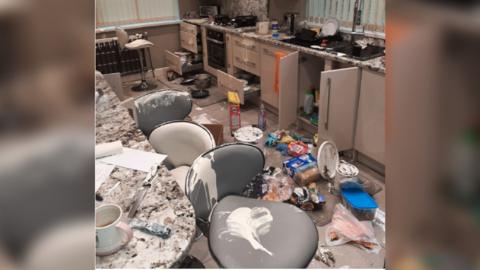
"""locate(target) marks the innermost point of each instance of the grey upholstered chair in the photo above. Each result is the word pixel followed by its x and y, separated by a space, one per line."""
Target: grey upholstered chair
pixel 182 142
pixel 244 232
pixel 159 107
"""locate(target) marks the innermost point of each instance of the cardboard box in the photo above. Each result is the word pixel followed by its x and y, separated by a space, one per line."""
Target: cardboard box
pixel 217 132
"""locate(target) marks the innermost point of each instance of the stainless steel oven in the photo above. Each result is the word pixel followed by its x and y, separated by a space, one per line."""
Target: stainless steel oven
pixel 216 49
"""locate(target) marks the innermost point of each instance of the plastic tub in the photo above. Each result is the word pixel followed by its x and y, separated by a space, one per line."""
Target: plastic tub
pixel 360 203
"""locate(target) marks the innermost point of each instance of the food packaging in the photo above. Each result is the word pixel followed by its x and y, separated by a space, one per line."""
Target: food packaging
pixel 307 176
pixel 234 111
pixel 297 164
pixel 297 148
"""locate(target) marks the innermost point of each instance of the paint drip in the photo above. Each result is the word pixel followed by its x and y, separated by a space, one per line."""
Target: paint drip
pixel 250 224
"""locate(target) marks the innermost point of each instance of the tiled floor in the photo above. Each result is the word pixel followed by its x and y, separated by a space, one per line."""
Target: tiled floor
pixel 346 255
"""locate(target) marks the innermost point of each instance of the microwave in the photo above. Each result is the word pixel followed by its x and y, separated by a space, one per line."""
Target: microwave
pixel 206 11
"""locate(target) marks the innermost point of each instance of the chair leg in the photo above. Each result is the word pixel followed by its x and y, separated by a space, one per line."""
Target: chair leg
pixel 144 85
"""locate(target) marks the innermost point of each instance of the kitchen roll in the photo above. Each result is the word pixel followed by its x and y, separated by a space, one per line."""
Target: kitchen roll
pixel 108 149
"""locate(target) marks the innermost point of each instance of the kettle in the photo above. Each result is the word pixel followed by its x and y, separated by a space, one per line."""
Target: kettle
pixel 290 18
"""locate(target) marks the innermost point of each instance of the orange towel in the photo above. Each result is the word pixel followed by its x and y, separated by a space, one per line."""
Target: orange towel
pixel 276 86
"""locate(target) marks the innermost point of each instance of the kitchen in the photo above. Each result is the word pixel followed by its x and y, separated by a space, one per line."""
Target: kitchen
pixel 294 80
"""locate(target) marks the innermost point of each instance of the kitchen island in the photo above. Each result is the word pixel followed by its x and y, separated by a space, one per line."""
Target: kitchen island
pixel 165 203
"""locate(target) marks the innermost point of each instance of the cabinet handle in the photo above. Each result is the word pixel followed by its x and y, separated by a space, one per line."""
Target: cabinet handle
pixel 266 51
pixel 242 45
pixel 329 87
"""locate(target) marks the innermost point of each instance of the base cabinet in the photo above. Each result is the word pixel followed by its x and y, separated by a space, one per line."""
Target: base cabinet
pixel 370 129
pixel 268 74
pixel 337 108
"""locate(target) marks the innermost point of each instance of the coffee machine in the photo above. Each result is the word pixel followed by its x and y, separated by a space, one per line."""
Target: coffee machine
pixel 290 19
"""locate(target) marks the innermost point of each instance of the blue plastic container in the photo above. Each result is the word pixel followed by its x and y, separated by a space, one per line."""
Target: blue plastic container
pixel 360 203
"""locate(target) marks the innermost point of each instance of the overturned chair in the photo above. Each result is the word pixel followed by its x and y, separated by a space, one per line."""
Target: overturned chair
pixel 182 142
pixel 245 232
pixel 155 108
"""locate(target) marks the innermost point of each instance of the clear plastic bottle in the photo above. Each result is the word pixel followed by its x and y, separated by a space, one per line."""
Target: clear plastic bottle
pixel 262 121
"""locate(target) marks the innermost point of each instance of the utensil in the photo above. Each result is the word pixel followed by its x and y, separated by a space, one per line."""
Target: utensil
pixel 147 183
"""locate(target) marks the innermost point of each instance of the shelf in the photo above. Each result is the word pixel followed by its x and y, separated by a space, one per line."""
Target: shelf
pixel 306 121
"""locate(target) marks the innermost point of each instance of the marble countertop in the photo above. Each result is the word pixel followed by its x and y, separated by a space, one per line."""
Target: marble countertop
pixel 376 64
pixel 164 203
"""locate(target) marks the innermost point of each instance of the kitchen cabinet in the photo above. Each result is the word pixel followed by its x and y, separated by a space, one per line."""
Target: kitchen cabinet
pixel 338 105
pixel 246 54
pixel 267 74
pixel 288 97
pixel 370 128
pixel 188 37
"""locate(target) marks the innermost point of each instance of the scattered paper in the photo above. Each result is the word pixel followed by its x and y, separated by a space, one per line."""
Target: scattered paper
pixel 102 172
pixel 135 159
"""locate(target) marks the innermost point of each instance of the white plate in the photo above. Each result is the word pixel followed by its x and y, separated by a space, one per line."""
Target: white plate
pixel 248 134
pixel 327 157
pixel 330 27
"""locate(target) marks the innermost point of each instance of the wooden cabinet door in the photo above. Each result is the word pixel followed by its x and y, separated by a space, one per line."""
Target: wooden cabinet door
pixel 338 105
pixel 370 130
pixel 287 107
pixel 267 74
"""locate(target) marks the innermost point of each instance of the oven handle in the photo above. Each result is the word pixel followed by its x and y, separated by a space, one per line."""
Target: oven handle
pixel 215 41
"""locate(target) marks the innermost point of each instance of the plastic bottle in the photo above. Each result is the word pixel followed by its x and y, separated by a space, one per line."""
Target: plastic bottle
pixel 262 121
pixel 308 103
pixel 275 34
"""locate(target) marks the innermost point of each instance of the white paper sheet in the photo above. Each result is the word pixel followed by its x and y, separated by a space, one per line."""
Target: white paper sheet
pixel 135 159
pixel 102 171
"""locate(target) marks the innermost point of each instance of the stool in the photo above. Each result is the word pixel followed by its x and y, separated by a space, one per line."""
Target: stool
pixel 140 45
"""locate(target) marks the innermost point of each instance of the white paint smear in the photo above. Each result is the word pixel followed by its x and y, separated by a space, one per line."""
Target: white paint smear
pixel 202 167
pixel 250 224
pixel 155 100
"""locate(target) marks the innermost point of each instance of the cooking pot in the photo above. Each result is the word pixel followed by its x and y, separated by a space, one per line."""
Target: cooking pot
pixel 203 81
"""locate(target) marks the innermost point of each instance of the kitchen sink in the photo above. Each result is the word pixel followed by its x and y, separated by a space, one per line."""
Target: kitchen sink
pixel 342 46
pixel 362 54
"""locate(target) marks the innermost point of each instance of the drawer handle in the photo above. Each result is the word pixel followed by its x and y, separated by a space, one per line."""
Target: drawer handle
pixel 266 51
pixel 329 87
pixel 246 62
pixel 245 46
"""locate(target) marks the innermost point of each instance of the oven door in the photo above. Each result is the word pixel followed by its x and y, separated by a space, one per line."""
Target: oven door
pixel 216 54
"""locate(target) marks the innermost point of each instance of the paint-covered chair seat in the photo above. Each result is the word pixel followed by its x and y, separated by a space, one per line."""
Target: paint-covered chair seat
pixel 250 233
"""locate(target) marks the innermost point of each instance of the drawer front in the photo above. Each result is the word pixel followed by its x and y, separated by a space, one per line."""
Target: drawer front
pixel 173 61
pixel 246 60
pixel 227 82
pixel 188 41
pixel 246 44
pixel 188 28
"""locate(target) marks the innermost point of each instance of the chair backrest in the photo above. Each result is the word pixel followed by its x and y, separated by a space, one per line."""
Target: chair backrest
pixel 224 170
pixel 181 141
pixel 159 107
pixel 122 37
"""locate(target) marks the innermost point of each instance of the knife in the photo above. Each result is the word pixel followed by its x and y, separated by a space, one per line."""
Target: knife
pixel 147 183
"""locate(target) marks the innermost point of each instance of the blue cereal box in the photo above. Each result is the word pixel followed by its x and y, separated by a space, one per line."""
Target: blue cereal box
pixel 298 164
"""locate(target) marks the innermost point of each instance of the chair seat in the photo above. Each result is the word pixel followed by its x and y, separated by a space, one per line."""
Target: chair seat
pixel 251 233
pixel 138 44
